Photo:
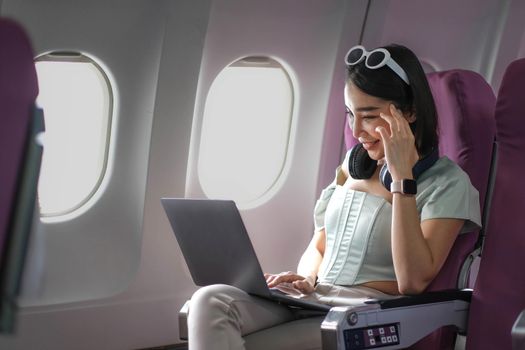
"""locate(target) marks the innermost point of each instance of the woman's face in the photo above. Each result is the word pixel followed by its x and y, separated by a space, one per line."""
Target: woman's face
pixel 363 118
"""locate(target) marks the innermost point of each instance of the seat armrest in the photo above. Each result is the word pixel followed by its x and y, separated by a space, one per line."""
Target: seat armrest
pixel 518 332
pixel 394 323
pixel 425 298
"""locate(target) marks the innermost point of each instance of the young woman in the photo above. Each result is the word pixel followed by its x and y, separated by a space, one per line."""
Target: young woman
pixel 379 230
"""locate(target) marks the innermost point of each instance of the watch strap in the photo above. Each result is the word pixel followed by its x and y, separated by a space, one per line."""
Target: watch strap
pixel 405 186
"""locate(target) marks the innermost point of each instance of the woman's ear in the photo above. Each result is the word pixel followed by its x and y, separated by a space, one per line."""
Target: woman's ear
pixel 410 117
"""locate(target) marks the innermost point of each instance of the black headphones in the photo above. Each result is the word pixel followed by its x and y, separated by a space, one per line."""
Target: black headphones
pixel 361 166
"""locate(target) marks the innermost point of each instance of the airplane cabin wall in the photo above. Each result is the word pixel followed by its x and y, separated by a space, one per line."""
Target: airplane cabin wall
pixel 512 41
pixel 306 40
pixel 105 281
pixel 479 35
pixel 95 252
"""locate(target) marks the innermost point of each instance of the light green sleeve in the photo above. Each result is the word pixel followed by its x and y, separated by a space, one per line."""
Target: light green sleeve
pixel 450 195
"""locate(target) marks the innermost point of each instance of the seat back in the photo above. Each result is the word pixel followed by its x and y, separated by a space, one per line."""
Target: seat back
pixel 499 293
pixel 20 158
pixel 465 106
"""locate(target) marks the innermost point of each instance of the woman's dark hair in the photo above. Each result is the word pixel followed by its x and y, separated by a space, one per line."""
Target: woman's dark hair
pixel 414 98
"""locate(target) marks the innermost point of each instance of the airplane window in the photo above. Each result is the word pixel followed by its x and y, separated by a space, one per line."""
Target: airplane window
pixel 76 97
pixel 245 130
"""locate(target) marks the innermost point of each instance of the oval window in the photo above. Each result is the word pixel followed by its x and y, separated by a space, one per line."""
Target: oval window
pixel 245 130
pixel 76 97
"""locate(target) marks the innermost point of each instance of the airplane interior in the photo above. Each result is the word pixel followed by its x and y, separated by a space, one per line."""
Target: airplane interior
pixel 106 107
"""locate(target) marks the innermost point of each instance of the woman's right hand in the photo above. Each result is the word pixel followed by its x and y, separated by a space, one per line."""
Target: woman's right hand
pixel 304 284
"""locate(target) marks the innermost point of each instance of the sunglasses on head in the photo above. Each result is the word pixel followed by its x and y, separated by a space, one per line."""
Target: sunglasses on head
pixel 374 59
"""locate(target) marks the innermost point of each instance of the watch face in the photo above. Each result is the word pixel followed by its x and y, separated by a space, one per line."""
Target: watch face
pixel 409 187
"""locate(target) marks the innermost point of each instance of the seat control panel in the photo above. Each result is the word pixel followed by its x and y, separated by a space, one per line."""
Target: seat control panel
pixel 371 337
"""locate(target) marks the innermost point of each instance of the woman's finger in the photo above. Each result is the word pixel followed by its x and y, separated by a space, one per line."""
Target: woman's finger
pixel 281 278
pixel 383 133
pixel 269 278
pixel 396 113
pixel 303 286
pixel 402 122
pixel 390 120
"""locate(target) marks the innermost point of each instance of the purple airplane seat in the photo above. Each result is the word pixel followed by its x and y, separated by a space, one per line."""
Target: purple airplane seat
pixel 499 293
pixel 20 158
pixel 465 106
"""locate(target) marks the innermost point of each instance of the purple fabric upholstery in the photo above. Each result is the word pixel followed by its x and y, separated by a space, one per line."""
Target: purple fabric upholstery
pixel 18 91
pixel 499 293
pixel 465 105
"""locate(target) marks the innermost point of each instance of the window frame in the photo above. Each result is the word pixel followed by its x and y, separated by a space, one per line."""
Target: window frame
pixel 79 57
pixel 260 61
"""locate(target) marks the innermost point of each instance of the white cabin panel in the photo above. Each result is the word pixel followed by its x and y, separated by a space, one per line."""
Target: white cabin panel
pixel 305 40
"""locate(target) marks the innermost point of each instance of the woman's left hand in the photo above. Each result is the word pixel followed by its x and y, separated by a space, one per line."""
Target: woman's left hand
pixel 304 284
pixel 400 149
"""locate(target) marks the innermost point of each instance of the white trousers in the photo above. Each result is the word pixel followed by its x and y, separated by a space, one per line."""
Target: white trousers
pixel 223 317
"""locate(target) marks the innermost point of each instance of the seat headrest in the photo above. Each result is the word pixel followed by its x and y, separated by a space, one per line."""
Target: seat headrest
pixel 17 67
pixel 504 245
pixel 510 112
pixel 465 105
pixel 18 91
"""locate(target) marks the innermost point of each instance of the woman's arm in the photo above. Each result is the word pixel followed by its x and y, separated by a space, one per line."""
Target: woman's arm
pixel 419 250
pixel 306 275
pixel 311 259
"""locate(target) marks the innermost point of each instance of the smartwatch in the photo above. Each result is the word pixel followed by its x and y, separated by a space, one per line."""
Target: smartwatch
pixel 405 186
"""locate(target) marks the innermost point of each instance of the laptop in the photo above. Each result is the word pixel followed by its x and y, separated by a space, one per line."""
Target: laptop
pixel 217 248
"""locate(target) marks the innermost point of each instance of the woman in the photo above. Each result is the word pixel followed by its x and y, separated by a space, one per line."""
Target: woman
pixel 378 231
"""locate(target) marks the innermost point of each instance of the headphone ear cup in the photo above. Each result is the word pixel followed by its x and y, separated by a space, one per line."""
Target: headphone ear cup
pixel 360 165
pixel 385 177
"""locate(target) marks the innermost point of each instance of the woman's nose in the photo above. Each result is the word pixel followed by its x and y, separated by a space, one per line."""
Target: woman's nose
pixel 356 128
